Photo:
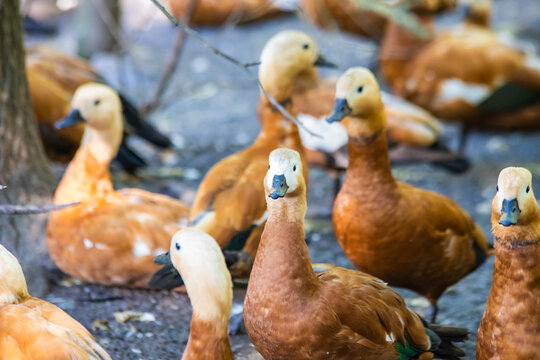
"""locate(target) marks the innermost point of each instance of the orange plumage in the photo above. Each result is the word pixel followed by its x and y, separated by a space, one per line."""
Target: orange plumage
pixel 488 84
pixel 297 310
pixel 33 329
pixel 112 236
pixel 510 327
pixel 406 236
pixel 208 12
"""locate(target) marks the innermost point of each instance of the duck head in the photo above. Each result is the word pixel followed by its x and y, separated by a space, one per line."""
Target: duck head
pixel 200 262
pixel 358 103
pixel 285 56
pixel 284 174
pixel 99 108
pixel 514 203
pixel 12 282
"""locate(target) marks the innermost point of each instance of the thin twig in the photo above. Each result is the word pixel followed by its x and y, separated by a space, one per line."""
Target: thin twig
pixel 172 63
pixel 6 209
pixel 234 61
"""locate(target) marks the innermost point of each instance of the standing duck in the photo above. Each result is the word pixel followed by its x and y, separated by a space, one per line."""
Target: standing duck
pixel 199 260
pixel 409 237
pixel 229 204
pixel 32 328
pixel 296 310
pixel 112 236
pixel 510 327
pixel 53 78
pixel 490 83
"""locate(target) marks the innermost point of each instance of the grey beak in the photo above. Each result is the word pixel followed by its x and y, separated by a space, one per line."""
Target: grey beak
pixel 509 212
pixel 279 187
pixel 163 259
pixel 322 62
pixel 341 110
pixel 72 119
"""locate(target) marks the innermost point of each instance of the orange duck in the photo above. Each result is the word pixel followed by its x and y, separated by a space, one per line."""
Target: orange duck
pixel 34 329
pixel 351 17
pixel 229 204
pixel 510 327
pixel 409 237
pixel 296 310
pixel 199 260
pixel 53 78
pixel 489 83
pixel 211 12
pixel 112 236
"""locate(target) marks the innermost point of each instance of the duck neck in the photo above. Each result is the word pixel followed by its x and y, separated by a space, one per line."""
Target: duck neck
pixel 517 254
pixel 369 165
pixel 275 127
pixel 282 260
pixel 207 340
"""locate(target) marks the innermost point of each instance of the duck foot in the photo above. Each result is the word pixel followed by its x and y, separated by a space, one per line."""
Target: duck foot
pixel 431 313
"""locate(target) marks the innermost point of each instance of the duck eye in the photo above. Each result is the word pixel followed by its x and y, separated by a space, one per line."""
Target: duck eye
pixel 177 245
pixel 305 46
pixel 294 168
pixel 497 188
pixel 359 89
pixel 528 189
pixel 268 166
pixel 96 102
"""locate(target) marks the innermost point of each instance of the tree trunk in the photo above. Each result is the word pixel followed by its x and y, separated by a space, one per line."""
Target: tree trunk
pixel 23 165
pixel 98 26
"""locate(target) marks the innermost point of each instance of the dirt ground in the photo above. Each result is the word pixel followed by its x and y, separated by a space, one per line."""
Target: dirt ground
pixel 211 114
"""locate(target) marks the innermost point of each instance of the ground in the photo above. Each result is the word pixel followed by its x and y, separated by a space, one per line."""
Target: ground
pixel 211 114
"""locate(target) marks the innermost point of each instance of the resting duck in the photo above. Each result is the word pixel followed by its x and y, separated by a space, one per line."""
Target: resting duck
pixel 229 204
pixel 198 259
pixel 351 17
pixel 211 12
pixel 112 236
pixel 53 78
pixel 376 217
pixel 32 328
pixel 296 310
pixel 510 327
pixel 489 83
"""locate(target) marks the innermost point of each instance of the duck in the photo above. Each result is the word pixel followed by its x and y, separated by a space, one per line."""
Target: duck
pixel 111 236
pixel 349 16
pixel 32 328
pixel 199 261
pixel 499 90
pixel 215 13
pixel 510 326
pixel 53 78
pixel 229 204
pixel 377 217
pixel 298 310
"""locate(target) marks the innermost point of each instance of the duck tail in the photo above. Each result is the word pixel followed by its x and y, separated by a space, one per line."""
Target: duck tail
pixel 141 127
pixel 443 338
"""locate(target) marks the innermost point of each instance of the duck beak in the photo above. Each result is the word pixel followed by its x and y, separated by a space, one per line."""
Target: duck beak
pixel 341 110
pixel 72 119
pixel 322 62
pixel 163 259
pixel 509 212
pixel 167 277
pixel 279 187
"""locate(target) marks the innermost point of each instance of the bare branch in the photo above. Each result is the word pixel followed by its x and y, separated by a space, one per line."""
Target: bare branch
pixel 234 61
pixel 172 63
pixel 6 209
